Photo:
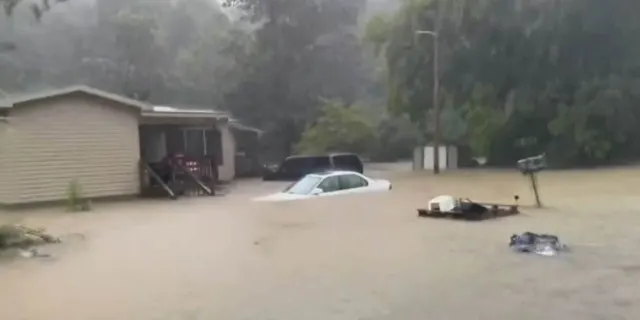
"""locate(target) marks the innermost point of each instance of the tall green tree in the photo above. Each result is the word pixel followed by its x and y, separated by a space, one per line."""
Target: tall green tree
pixel 135 47
pixel 561 72
pixel 303 51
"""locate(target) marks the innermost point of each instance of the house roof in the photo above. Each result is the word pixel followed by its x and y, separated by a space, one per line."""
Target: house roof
pixel 182 112
pixel 18 99
pixel 146 109
pixel 235 124
pixel 169 111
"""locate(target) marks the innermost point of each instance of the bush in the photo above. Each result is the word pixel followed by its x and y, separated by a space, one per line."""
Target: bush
pixel 75 198
pixel 349 129
pixel 338 128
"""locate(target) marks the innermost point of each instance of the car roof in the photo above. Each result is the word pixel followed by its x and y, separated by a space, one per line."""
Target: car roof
pixel 330 173
pixel 322 155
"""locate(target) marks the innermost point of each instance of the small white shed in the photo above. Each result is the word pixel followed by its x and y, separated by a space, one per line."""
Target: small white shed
pixel 423 158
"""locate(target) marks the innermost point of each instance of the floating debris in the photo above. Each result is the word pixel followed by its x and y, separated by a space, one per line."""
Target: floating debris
pixel 446 206
pixel 541 244
pixel 19 236
pixel 34 253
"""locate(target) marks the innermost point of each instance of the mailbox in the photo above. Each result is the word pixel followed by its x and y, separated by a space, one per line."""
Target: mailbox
pixel 532 164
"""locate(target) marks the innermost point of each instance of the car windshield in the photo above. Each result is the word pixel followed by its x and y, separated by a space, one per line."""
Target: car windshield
pixel 304 185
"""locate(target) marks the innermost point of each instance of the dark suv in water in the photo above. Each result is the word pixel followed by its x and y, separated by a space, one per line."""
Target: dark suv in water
pixel 296 167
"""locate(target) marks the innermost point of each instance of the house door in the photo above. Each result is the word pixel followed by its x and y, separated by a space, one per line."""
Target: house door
pixel 153 144
pixel 156 147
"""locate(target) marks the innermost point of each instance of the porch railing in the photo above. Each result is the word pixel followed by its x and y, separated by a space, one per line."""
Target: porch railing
pixel 200 175
pixel 179 176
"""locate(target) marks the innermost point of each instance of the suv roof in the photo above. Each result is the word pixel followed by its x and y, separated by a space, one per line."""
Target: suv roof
pixel 323 155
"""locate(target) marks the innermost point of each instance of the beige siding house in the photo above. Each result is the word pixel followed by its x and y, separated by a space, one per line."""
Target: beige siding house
pixel 4 128
pixel 97 139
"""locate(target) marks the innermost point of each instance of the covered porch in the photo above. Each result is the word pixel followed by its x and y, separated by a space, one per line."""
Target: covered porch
pixel 184 152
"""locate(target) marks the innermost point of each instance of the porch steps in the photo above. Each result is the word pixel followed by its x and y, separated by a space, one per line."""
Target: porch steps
pixel 157 188
pixel 197 185
pixel 191 180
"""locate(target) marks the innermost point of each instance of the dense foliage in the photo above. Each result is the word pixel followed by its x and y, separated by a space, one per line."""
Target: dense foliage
pixel 518 77
pixel 272 63
pixel 337 129
pixel 304 51
pixel 561 76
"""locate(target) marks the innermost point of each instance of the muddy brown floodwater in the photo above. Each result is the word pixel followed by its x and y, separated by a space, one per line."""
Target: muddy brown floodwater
pixel 352 257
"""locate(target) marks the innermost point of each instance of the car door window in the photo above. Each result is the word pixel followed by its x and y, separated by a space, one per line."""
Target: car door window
pixel 330 184
pixel 352 181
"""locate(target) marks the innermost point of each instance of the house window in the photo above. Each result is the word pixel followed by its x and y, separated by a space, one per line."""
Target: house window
pixel 175 141
pixel 203 142
pixel 194 142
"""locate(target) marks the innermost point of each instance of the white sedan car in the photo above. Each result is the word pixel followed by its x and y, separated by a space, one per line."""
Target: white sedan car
pixel 330 183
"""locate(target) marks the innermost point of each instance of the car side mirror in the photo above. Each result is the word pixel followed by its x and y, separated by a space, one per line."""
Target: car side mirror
pixel 316 191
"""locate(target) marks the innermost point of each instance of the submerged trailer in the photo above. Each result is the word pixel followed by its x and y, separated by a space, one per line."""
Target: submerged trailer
pixel 464 208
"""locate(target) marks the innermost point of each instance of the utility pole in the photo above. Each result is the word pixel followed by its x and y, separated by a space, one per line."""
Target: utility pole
pixel 436 90
pixel 436 102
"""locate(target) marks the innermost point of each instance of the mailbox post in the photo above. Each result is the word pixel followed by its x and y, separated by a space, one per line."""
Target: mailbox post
pixel 531 166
